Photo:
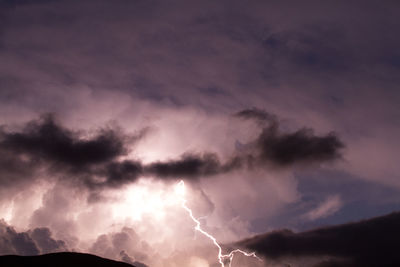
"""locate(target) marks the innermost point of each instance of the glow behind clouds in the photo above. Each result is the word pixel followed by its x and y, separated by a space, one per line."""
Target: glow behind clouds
pixel 264 83
pixel 147 199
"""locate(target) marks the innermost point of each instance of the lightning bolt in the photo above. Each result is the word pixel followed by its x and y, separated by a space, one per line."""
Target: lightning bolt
pixel 180 191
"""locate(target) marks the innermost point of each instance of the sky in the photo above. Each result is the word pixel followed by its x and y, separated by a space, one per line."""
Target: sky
pixel 281 117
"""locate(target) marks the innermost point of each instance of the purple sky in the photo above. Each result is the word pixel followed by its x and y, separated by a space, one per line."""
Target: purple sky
pixel 277 114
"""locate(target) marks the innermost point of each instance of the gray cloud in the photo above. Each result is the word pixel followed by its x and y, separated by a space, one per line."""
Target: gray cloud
pixel 46 143
pixel 191 165
pixel 45 242
pixel 329 65
pixel 47 140
pixel 302 146
pixel 320 57
pixel 370 242
pixel 259 115
pixel 33 242
pixel 285 149
pixel 124 245
pixel 84 44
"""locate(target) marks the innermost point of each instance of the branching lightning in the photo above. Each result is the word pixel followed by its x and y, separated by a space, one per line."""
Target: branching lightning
pixel 180 191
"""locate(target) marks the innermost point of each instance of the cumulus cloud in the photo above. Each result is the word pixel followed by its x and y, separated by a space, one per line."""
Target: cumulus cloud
pixel 124 245
pixel 365 243
pixel 32 242
pixel 43 238
pixel 126 258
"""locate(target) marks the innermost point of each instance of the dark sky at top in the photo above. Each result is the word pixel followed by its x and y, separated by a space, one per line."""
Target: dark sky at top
pixel 279 114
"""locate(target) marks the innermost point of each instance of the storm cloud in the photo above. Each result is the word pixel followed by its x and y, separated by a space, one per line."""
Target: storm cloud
pixel 45 143
pixel 32 242
pixel 285 149
pixel 98 160
pixel 47 140
pixel 322 77
pixel 370 242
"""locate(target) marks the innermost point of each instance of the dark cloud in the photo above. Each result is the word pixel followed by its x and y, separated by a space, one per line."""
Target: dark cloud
pixel 256 114
pixel 125 245
pixel 118 173
pixel 34 242
pixel 97 161
pixel 80 42
pixel 15 170
pixel 45 139
pixel 371 242
pixel 139 264
pixel 189 165
pixel 301 146
pixel 22 243
pixel 125 257
pixel 286 149
pixel 45 242
pixel 99 59
pixel 45 142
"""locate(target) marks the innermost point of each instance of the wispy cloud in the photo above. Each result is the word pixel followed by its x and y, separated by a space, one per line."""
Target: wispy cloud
pixel 331 205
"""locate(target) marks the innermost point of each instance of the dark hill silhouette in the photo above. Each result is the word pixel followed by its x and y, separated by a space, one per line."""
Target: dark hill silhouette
pixel 62 259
